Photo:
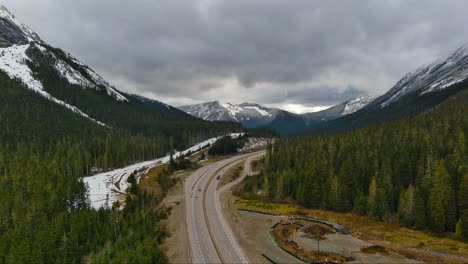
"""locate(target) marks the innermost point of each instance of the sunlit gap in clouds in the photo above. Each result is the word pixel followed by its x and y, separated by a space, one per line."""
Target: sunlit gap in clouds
pixel 300 109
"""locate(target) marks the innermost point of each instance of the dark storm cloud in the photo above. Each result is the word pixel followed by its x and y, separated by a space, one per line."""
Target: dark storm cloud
pixel 185 51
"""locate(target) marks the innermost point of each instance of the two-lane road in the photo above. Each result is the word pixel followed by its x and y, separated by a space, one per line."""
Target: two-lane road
pixel 211 239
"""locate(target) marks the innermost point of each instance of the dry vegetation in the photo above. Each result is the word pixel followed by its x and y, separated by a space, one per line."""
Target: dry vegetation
pixel 316 231
pixel 283 235
pixel 410 243
pixel 149 183
pixel 231 175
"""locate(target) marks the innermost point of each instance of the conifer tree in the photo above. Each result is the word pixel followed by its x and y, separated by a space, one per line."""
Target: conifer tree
pixel 442 200
pixel 406 207
pixel 463 194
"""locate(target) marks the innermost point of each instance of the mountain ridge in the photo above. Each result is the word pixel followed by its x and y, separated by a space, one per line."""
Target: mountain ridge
pixel 253 115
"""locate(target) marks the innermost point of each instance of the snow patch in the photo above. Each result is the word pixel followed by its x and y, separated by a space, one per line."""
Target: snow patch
pixel 434 77
pixel 108 187
pixel 356 104
pixel 261 111
pixel 13 61
pixel 233 110
pixel 71 75
pixel 75 77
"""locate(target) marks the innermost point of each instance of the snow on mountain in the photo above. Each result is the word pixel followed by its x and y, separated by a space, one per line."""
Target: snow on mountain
pixel 356 104
pixel 217 111
pixel 13 62
pixel 434 77
pixel 339 110
pixel 16 39
pixel 253 115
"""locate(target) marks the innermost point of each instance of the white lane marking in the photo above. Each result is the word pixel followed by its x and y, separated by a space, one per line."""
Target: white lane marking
pixel 227 230
pixel 197 240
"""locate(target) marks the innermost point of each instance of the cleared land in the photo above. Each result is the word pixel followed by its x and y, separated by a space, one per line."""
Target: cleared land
pixel 410 243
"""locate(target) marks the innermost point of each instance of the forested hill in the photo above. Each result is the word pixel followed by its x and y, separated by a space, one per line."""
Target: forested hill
pixel 414 169
pixel 59 119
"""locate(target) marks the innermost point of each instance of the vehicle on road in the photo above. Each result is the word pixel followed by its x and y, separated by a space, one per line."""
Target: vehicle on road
pixel 218 177
pixel 199 190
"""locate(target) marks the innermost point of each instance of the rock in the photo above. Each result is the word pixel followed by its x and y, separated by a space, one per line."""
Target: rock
pixel 11 34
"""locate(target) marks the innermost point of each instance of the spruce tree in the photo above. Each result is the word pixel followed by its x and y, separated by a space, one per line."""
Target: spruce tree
pixel 463 194
pixel 442 200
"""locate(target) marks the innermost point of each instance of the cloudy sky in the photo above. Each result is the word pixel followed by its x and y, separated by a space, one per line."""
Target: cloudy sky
pixel 299 55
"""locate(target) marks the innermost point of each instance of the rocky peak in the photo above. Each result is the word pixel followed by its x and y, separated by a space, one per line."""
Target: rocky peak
pixel 13 32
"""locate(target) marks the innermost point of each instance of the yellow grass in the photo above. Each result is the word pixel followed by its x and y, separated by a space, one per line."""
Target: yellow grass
pixel 149 183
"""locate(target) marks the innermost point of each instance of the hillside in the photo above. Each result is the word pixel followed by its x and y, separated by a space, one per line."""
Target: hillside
pixel 413 171
pixel 61 121
pixel 416 92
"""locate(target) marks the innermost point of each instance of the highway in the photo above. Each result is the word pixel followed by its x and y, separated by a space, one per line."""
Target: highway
pixel 210 238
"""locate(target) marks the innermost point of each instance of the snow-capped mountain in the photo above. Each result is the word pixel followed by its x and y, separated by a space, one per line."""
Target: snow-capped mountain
pixel 431 78
pixel 356 104
pixel 416 92
pixel 339 110
pixel 19 49
pixel 253 115
pixel 249 114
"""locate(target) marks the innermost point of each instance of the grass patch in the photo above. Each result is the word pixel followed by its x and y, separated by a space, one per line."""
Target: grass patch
pixel 231 175
pixel 265 207
pixel 149 183
pixel 374 250
pixel 258 164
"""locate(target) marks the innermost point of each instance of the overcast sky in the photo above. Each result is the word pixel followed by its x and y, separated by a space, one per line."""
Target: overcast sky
pixel 296 54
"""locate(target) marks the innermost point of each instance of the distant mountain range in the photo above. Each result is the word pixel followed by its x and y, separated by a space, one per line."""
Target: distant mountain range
pixel 283 122
pixel 416 92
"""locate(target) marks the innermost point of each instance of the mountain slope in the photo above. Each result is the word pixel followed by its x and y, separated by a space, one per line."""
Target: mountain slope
pixel 410 155
pixel 62 79
pixel 416 92
pixel 339 110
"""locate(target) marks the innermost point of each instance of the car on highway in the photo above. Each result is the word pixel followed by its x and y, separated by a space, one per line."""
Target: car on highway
pixel 218 177
pixel 199 190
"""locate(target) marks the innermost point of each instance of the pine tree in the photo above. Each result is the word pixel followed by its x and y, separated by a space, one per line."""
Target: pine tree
pixel 334 194
pixel 371 200
pixel 420 211
pixel 406 207
pixel 442 200
pixel 463 194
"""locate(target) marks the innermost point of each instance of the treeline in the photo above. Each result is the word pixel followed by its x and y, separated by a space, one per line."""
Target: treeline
pixel 227 145
pixel 414 170
pixel 137 232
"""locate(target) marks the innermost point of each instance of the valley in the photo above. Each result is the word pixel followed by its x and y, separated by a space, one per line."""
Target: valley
pixel 164 137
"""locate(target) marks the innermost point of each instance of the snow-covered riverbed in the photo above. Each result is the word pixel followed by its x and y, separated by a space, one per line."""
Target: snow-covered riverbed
pixel 107 187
